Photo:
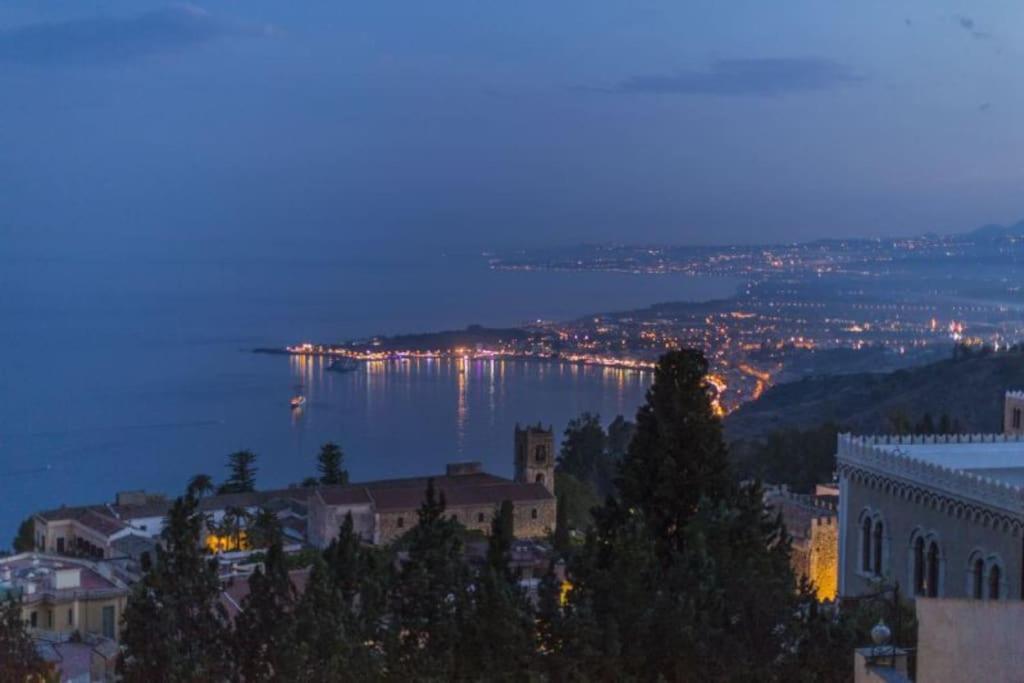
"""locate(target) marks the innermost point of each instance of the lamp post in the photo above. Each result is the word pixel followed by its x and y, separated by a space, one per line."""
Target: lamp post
pixel 883 638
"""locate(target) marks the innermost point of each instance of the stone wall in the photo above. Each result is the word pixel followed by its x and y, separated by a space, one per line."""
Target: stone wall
pixel 823 557
pixel 962 641
pixel 1014 403
pixel 958 538
pixel 531 519
pixel 324 521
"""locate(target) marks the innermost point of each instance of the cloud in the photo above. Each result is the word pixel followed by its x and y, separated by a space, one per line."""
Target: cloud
pixel 968 24
pixel 108 39
pixel 752 77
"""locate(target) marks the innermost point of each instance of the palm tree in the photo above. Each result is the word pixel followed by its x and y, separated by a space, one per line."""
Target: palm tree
pixel 237 520
pixel 200 485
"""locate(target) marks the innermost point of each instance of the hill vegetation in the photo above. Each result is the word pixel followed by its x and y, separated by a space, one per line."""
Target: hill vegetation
pixel 967 388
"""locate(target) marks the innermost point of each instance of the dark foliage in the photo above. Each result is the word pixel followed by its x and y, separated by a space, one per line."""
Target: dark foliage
pixel 242 465
pixel 19 660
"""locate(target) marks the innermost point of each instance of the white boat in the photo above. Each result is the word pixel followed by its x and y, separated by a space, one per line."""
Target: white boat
pixel 297 401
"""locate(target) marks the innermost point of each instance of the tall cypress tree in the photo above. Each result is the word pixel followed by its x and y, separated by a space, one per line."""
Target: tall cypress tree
pixel 429 602
pixel 321 630
pixel 174 625
pixel 685 576
pixel 501 622
pixel 265 644
pixel 361 577
pixel 677 455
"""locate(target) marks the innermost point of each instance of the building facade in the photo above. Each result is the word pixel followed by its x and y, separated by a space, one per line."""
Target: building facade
pixel 382 511
pixel 811 521
pixel 61 595
pixel 942 516
pixel 1013 413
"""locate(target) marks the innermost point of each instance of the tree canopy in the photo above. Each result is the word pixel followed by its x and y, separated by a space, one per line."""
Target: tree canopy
pixel 242 468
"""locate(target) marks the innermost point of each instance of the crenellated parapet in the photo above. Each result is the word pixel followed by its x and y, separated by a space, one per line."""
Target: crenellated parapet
pixel 888 462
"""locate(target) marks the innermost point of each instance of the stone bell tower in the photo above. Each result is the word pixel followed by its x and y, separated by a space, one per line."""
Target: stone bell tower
pixel 535 456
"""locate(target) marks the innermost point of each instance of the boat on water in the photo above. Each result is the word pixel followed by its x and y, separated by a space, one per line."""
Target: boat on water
pixel 297 401
pixel 343 365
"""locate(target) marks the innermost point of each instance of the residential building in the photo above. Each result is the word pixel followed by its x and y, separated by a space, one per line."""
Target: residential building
pixel 63 595
pixel 381 510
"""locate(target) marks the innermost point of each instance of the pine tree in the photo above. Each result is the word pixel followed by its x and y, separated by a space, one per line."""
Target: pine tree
pixel 25 541
pixel 19 660
pixel 582 446
pixel 242 479
pixel 265 643
pixel 620 433
pixel 174 625
pixel 330 464
pixel 429 600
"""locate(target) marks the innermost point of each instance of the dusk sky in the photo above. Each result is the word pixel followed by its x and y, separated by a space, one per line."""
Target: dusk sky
pixel 159 125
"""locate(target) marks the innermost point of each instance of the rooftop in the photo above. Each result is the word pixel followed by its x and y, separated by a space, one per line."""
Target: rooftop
pixel 33 576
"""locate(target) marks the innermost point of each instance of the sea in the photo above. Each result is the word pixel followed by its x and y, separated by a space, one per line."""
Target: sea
pixel 135 371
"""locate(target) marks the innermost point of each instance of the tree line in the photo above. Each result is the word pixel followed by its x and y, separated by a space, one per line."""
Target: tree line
pixel 680 575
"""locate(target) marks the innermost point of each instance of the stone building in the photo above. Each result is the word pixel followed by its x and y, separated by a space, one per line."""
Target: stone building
pixel 535 456
pixel 384 510
pixel 942 516
pixel 1013 413
pixel 381 510
pixel 814 532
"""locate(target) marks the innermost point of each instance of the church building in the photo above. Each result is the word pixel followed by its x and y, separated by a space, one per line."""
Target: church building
pixel 384 510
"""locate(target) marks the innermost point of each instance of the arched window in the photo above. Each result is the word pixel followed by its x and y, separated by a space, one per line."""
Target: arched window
pixel 932 588
pixel 540 478
pixel 877 548
pixel 540 454
pixel 919 566
pixel 865 545
pixel 995 576
pixel 978 578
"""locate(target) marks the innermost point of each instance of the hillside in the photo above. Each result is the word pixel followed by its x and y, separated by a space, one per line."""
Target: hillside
pixel 969 390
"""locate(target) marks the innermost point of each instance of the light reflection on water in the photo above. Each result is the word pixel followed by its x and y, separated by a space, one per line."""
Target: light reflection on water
pixel 450 408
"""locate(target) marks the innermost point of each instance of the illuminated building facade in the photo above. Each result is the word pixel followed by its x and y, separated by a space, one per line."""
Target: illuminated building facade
pixel 941 515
